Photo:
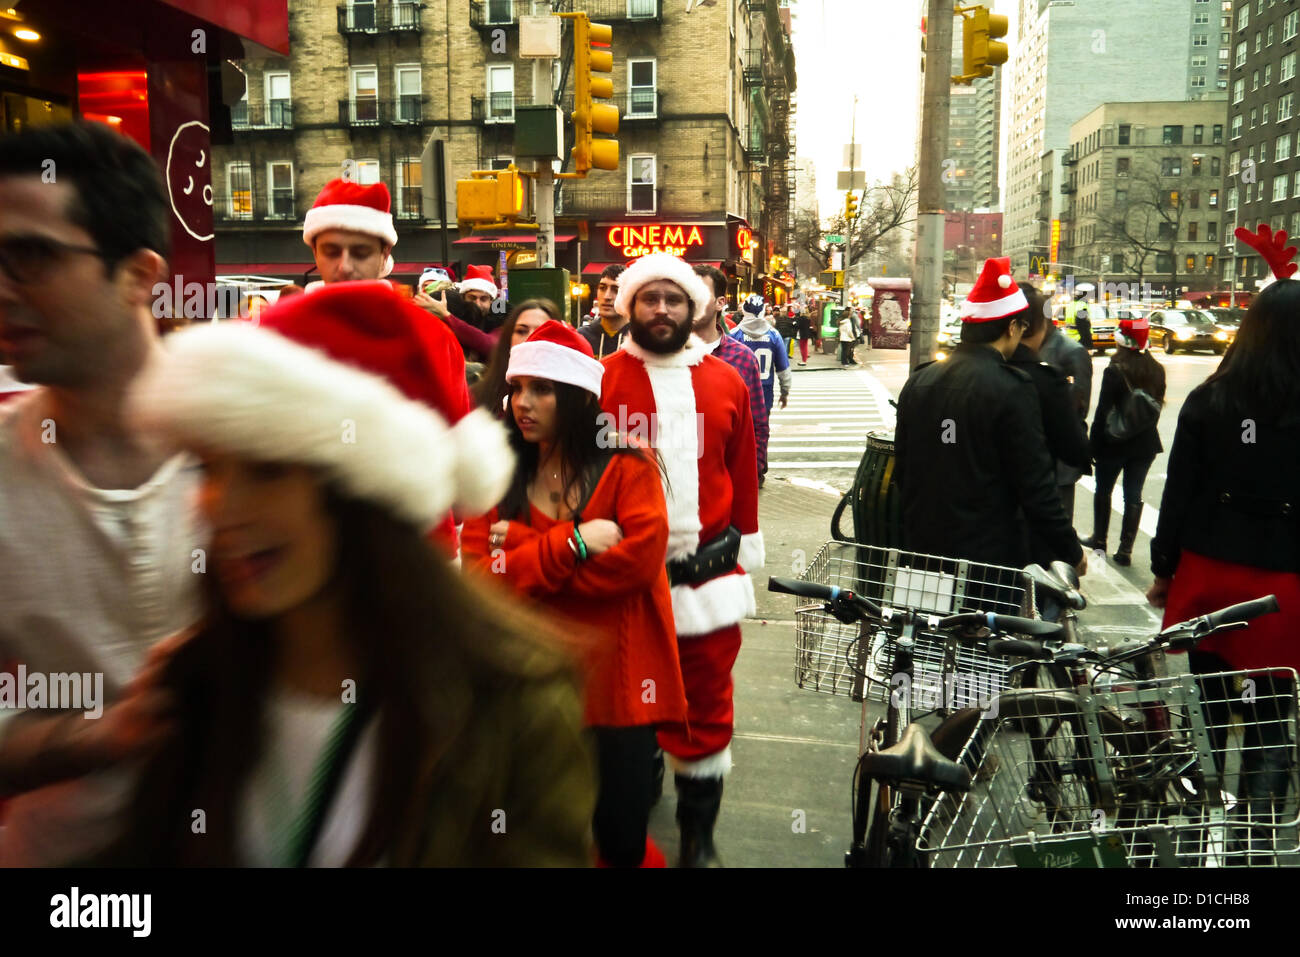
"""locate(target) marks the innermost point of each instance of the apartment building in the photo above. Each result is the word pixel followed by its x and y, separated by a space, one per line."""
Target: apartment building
pixel 1262 176
pixel 1069 58
pixel 1142 195
pixel 974 116
pixel 706 103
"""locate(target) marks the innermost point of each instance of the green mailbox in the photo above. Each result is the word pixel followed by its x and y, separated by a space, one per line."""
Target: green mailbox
pixel 546 283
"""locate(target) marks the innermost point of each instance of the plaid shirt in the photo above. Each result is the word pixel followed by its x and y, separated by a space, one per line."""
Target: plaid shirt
pixel 741 358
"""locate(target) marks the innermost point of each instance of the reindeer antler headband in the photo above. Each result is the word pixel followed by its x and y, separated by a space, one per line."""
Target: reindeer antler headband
pixel 1272 246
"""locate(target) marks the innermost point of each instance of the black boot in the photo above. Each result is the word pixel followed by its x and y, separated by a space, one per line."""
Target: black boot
pixel 1100 526
pixel 698 801
pixel 1128 533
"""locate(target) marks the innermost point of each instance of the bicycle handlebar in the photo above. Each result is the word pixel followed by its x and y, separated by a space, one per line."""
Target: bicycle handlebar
pixel 1242 612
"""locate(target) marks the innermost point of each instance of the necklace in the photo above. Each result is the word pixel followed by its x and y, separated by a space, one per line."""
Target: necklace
pixel 555 496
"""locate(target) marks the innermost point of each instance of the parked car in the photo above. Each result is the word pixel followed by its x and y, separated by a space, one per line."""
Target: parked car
pixel 1189 329
pixel 1228 320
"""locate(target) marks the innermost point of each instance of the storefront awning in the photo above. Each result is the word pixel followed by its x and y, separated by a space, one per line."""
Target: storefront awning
pixel 777 281
pixel 523 239
pixel 297 270
pixel 595 269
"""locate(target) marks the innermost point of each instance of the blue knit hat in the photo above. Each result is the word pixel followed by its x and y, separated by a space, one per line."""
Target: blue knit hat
pixel 753 305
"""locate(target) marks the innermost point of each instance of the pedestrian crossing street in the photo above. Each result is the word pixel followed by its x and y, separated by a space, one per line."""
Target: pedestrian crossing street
pixel 826 423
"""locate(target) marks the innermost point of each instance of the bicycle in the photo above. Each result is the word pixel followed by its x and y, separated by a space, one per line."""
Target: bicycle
pixel 896 755
pixel 1120 766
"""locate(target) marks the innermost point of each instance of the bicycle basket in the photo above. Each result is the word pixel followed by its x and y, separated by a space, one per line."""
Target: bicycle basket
pixel 831 658
pixel 1185 771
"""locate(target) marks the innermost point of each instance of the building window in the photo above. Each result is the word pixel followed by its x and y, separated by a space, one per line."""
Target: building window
pixel 1209 262
pixel 1254 81
pixel 1194 198
pixel 1263 152
pixel 1198 82
pixel 1282 149
pixel 365 94
pixel 1124 132
pixel 407 83
pixel 1295 223
pixel 279 177
pixel 1263 115
pixel 641 93
pixel 1290 24
pixel 1170 198
pixel 1243 17
pixel 1268 73
pixel 1238 90
pixel 1200 40
pixel 1217 133
pixel 1275 224
pixel 1198 134
pixel 410 189
pixel 367 172
pixel 1196 166
pixel 1295 185
pixel 1283 107
pixel 1189 264
pixel 1236 127
pixel 1279 188
pixel 239 190
pixel 500 162
pixel 1173 136
pixel 1268 39
pixel 501 93
pixel 1164 263
pixel 641 183
pixel 500 11
pixel 1241 55
pixel 1117 262
pixel 1122 166
pixel 361 14
pixel 279 105
pixel 1198 60
pixel 1121 198
pixel 1200 17
pixel 1216 165
pixel 1234 162
pixel 1254 115
pixel 1287 70
pixel 1232 198
pixel 1192 230
pixel 1171 166
pixel 1212 232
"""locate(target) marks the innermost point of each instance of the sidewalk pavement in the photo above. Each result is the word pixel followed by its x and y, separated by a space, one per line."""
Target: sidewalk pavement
pixel 786 802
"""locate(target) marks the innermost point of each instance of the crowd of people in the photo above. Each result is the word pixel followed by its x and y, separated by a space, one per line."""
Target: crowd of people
pixel 374 580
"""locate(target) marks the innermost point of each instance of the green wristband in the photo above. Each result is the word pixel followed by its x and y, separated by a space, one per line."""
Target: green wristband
pixel 582 546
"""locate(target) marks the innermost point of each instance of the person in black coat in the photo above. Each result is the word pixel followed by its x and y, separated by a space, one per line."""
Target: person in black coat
pixel 1229 527
pixel 1131 367
pixel 973 470
pixel 1067 439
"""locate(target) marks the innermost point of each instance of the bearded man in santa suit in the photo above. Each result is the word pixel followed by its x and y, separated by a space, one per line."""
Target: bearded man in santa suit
pixel 695 408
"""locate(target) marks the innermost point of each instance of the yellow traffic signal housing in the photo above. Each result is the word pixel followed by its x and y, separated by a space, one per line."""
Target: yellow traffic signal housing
pixel 981 50
pixel 590 117
pixel 850 206
pixel 493 196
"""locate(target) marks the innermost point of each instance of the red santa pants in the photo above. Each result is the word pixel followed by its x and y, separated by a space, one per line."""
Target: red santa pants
pixel 706 672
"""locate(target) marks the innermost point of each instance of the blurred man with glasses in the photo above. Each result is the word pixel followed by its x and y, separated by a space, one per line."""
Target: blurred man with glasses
pixel 99 540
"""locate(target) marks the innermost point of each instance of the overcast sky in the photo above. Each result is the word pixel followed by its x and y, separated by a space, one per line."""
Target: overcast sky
pixel 871 48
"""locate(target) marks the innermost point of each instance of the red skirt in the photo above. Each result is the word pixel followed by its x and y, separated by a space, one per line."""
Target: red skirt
pixel 1202 585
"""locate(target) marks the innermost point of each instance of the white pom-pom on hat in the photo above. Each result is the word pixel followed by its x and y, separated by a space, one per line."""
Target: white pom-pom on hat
pixel 1004 281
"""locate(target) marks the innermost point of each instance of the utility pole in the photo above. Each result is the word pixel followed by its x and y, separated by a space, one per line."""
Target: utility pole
pixel 544 183
pixel 928 267
pixel 848 236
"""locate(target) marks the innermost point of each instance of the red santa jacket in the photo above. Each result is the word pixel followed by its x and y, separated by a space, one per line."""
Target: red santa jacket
pixel 620 597
pixel 694 409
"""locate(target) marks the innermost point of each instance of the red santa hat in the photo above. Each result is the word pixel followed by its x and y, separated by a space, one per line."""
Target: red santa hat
pixel 344 204
pixel 346 380
pixel 478 279
pixel 995 294
pixel 555 351
pixel 661 266
pixel 1133 333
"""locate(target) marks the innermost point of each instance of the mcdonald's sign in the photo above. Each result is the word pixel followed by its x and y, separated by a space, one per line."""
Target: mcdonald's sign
pixel 1039 264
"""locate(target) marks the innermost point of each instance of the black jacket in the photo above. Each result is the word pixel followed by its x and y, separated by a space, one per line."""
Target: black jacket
pixel 1067 439
pixel 973 469
pixel 1114 390
pixel 1074 361
pixel 1233 492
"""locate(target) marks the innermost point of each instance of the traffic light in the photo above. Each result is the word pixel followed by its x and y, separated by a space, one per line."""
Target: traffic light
pixel 493 196
pixel 850 206
pixel 589 117
pixel 980 50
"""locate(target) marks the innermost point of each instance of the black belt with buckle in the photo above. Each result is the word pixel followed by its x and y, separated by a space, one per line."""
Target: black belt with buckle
pixel 713 558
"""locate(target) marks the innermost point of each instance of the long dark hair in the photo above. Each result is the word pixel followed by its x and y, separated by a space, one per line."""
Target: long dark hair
pixel 584 438
pixel 1260 375
pixel 416 628
pixel 492 388
pixel 1141 370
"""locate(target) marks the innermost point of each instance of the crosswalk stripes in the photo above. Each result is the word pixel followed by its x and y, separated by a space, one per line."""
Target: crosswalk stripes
pixel 826 423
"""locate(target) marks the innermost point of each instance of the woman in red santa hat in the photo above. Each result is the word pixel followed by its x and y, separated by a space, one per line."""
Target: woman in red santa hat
pixel 338 704
pixel 583 531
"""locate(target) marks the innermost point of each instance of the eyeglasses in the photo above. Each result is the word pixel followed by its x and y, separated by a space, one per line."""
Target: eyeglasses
pixel 24 259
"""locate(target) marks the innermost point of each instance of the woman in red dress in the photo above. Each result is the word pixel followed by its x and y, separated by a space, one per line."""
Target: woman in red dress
pixel 583 532
pixel 1229 527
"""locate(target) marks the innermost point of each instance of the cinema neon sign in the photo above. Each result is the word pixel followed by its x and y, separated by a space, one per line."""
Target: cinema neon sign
pixel 636 241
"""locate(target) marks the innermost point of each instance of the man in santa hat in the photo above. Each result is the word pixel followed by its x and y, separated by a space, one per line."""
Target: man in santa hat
pixel 698 410
pixel 479 289
pixel 975 420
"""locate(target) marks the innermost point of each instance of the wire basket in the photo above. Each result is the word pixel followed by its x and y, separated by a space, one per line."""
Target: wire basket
pixel 847 659
pixel 1185 771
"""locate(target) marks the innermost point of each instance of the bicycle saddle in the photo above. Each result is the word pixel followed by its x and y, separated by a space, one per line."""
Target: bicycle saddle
pixel 1051 585
pixel 915 758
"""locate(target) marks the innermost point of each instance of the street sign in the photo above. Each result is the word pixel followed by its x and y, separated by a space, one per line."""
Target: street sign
pixel 853 155
pixel 844 181
pixel 835 238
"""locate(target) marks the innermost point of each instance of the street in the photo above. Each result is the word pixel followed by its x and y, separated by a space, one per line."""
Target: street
pixel 787 802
